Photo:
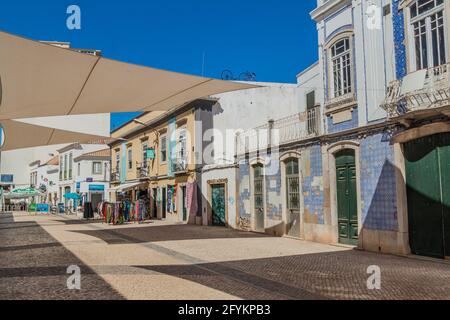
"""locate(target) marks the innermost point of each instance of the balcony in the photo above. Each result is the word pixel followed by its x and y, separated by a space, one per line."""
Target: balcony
pixel 142 170
pixel 115 176
pixel 297 127
pixel 181 162
pixel 343 101
pixel 418 91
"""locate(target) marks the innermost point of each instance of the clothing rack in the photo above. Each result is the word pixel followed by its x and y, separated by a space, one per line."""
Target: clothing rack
pixel 117 213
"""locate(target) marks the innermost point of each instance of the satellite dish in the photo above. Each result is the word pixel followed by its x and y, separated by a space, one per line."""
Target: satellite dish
pixel 227 75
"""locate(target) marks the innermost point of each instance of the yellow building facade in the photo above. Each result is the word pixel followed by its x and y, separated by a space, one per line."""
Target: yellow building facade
pixel 155 156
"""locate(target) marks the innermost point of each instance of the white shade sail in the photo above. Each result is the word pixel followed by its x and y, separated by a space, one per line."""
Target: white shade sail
pixel 19 135
pixel 39 80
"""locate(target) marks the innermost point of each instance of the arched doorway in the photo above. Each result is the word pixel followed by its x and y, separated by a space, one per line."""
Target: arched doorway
pixel 346 194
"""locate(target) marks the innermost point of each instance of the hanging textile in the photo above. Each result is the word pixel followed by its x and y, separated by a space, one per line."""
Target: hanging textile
pixel 191 198
pixel 170 199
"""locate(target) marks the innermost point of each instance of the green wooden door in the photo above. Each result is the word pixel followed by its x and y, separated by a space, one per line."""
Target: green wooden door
pixel 218 205
pixel 428 191
pixel 183 194
pixel 346 197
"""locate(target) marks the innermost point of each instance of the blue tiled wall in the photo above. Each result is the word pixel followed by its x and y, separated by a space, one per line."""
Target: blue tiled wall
pixel 312 185
pixel 378 185
pixel 347 125
pixel 273 190
pixel 244 193
pixel 399 40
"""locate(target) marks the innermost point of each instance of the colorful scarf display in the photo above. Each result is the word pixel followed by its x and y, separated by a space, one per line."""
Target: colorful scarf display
pixel 124 212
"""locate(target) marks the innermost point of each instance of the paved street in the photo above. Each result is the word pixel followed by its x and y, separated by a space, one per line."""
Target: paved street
pixel 159 260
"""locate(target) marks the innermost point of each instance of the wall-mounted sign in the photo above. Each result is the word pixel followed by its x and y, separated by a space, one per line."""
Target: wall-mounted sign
pixel 151 153
pixel 96 187
pixel 7 178
pixel 42 207
pixel 89 179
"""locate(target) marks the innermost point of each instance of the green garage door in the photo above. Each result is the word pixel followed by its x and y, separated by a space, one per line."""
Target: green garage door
pixel 428 192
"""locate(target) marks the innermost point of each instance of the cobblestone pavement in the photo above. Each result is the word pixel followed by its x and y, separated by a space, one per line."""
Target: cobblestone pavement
pixel 160 260
pixel 33 265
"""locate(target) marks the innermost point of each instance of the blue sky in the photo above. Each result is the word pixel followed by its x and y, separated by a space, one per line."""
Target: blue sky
pixel 273 38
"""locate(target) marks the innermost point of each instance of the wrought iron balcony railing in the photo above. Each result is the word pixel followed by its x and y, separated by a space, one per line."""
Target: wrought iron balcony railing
pixel 432 91
pixel 286 130
pixel 181 162
pixel 115 176
pixel 142 170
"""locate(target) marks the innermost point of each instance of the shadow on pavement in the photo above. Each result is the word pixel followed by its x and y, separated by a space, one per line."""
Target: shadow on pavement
pixel 331 275
pixel 33 266
pixel 167 233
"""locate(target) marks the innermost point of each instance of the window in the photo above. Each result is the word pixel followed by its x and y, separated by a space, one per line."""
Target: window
pixel 163 148
pixel 182 144
pixel 341 68
pixel 313 113
pixel 70 165
pixel 258 181
pixel 117 161
pixel 144 154
pixel 65 167
pixel 79 169
pixel 427 20
pixel 130 159
pixel 61 168
pixel 96 168
pixel 292 185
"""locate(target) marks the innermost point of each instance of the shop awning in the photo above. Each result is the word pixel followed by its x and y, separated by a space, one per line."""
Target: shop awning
pixel 39 80
pixel 126 186
pixel 23 193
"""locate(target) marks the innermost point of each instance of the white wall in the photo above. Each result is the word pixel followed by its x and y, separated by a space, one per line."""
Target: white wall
pixel 231 201
pixel 248 109
pixel 373 52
